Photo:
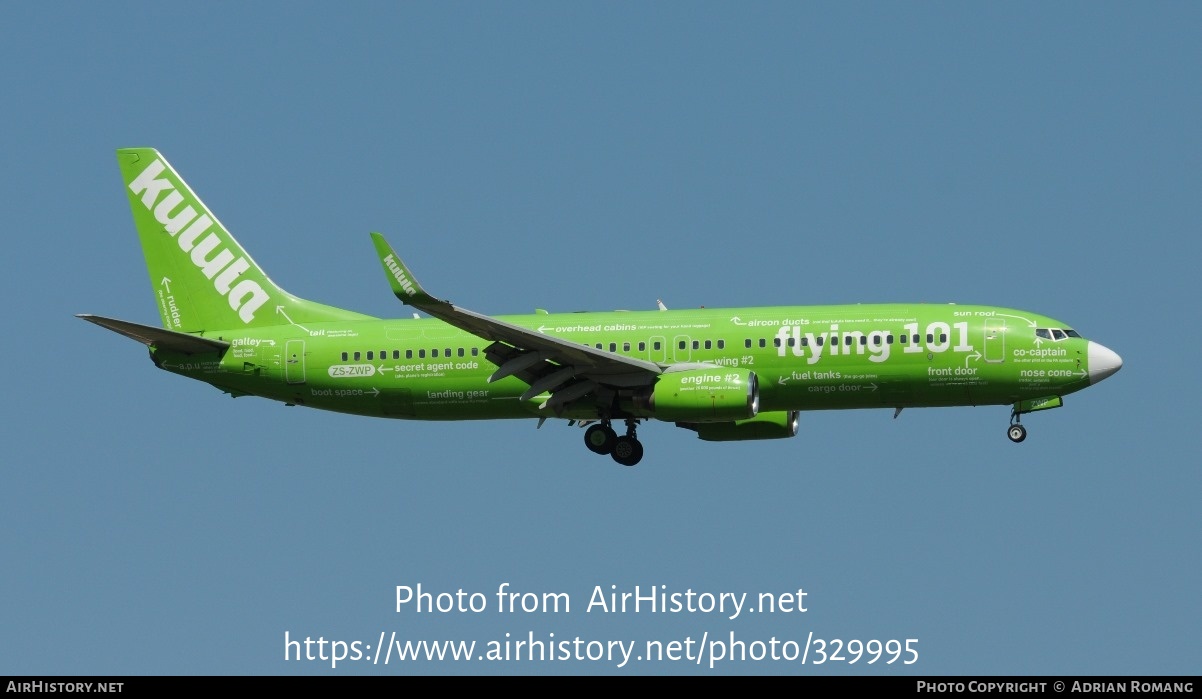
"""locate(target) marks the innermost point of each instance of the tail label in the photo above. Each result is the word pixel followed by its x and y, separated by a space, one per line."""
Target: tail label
pixel 245 296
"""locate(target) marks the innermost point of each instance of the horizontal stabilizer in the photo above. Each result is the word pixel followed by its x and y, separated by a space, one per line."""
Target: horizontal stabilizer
pixel 158 337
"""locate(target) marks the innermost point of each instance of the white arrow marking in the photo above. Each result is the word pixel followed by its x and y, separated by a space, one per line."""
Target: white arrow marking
pixel 873 386
pixel 782 380
pixel 542 329
pixel 1038 341
pixel 1029 322
pixel 280 310
pixel 374 391
pixel 166 284
pixel 974 356
pixel 737 321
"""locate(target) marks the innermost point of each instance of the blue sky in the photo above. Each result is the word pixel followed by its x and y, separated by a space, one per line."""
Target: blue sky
pixel 575 156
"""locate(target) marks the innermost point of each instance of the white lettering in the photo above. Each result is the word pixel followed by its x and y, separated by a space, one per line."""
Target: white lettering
pixel 246 309
pixel 399 275
pixel 148 186
pixel 162 213
pixel 226 278
pixel 245 297
pixel 219 261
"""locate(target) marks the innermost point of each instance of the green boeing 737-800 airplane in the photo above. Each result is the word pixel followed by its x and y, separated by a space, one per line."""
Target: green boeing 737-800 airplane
pixel 727 374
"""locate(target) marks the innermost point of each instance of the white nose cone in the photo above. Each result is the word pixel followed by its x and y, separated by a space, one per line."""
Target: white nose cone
pixel 1102 362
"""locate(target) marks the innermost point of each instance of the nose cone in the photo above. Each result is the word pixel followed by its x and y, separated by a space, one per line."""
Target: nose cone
pixel 1102 362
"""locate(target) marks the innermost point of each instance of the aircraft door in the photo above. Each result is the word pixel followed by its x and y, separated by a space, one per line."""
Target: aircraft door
pixel 681 352
pixel 658 350
pixel 995 340
pixel 294 361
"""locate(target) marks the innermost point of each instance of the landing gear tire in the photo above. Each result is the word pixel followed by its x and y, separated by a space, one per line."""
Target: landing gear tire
pixel 1016 433
pixel 627 450
pixel 600 439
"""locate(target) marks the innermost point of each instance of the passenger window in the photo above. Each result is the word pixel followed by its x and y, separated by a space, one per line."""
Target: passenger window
pixel 657 345
pixel 708 344
pixel 369 355
pixel 447 352
pixel 408 354
pixel 642 346
pixel 396 354
pixel 930 338
pixel 943 337
pixel 789 341
pixel 847 340
pixel 889 339
pixel 776 342
pixel 696 344
pixel 763 343
pixel 356 356
pixel 475 351
pixel 747 343
pixel 421 353
pixel 460 352
pixel 625 346
pixel 721 344
pixel 433 353
pixel 805 342
pixel 863 340
pixel 613 347
pixel 344 356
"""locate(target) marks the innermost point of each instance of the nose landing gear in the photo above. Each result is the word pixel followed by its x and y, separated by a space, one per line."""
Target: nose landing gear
pixel 1016 432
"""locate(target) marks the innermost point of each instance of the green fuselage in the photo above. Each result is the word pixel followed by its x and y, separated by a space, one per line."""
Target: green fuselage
pixel 805 358
pixel 727 374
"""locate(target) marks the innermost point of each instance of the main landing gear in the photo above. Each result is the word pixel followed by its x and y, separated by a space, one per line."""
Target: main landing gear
pixel 626 450
pixel 1016 432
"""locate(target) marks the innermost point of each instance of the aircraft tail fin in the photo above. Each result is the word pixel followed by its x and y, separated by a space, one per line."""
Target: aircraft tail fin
pixel 202 278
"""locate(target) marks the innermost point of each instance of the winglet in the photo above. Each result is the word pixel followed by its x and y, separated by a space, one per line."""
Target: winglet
pixel 403 283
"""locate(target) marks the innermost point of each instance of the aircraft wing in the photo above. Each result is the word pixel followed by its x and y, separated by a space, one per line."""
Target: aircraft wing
pixel 569 370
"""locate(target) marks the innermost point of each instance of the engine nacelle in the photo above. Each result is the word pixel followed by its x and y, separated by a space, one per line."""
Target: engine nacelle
pixel 774 425
pixel 701 395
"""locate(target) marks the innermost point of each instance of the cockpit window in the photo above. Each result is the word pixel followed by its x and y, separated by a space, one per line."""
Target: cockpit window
pixel 1055 333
